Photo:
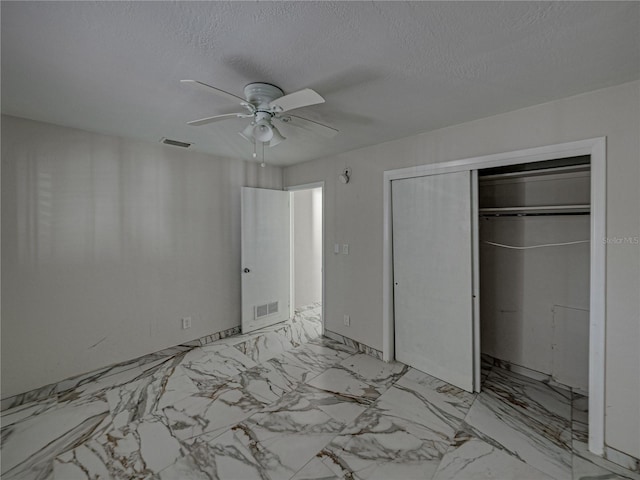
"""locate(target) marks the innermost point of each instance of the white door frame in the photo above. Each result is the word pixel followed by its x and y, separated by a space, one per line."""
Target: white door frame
pixel 596 148
pixel 294 188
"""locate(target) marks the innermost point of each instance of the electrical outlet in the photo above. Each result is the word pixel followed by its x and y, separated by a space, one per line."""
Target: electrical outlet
pixel 186 323
pixel 347 320
pixel 345 249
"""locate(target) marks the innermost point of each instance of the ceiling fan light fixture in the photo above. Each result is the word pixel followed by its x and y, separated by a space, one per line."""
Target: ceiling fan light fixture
pixel 247 133
pixel 263 131
pixel 277 137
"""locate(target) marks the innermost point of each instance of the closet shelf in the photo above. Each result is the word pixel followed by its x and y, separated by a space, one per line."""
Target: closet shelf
pixel 541 172
pixel 547 209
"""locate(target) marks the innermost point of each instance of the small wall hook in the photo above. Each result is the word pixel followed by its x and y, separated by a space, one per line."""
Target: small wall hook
pixel 345 176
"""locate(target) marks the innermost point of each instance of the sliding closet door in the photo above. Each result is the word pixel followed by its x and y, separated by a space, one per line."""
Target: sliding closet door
pixel 432 257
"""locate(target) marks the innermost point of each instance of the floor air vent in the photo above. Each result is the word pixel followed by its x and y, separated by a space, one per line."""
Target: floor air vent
pixel 266 309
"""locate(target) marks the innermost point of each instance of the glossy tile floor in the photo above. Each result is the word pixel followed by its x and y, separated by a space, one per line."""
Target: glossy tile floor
pixel 283 403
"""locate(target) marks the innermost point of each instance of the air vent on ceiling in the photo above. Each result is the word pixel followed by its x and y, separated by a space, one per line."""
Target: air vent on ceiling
pixel 175 143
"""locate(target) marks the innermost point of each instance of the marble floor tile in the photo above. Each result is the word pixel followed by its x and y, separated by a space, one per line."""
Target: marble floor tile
pixel 374 371
pixel 579 436
pixel 25 411
pixel 138 450
pixel 287 434
pixel 316 470
pixel 486 364
pixel 100 383
pixel 341 381
pixel 526 418
pixel 282 443
pixel 29 443
pixel 215 361
pixel 529 397
pixel 343 408
pixel 472 459
pixel 273 378
pixel 333 344
pixel 381 449
pixel 272 444
pixel 155 389
pixel 214 411
pixel 212 456
pixel 359 376
pixel 315 358
pixel 427 416
pixel 417 395
pixel 381 445
pixel 290 416
pixel 212 366
pixel 306 325
pixel 267 345
pixel 291 369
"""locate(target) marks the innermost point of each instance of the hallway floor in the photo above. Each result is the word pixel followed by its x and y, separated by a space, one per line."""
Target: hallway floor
pixel 283 403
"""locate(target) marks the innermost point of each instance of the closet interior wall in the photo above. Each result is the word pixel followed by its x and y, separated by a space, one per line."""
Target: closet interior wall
pixel 534 302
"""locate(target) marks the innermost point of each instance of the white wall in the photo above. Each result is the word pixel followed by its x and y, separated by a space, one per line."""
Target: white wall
pixel 107 243
pixel 307 246
pixel 354 214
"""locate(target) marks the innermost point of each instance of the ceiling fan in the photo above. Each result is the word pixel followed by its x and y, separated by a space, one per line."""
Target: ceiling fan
pixel 265 103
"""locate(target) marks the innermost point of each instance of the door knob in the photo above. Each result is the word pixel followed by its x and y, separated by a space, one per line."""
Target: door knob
pixel 246 270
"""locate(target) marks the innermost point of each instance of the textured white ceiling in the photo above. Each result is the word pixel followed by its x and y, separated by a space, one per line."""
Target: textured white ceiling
pixel 386 69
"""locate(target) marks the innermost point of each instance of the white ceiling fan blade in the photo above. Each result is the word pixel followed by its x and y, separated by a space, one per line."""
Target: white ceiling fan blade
pixel 311 126
pixel 204 121
pixel 299 99
pixel 210 89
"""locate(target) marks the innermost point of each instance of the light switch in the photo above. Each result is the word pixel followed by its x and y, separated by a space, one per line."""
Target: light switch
pixel 336 248
pixel 345 249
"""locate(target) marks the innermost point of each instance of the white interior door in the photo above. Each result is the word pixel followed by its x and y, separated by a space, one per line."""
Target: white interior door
pixel 265 257
pixel 433 275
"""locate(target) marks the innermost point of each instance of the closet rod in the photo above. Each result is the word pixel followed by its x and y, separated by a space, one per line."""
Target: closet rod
pixel 542 209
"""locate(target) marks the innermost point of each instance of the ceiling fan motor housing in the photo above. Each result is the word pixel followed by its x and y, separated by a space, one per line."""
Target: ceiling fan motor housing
pixel 261 94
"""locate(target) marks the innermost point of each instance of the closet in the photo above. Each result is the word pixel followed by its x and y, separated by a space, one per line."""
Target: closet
pixel 501 258
pixel 534 255
pixel 494 261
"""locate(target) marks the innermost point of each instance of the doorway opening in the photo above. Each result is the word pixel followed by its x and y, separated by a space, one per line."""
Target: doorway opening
pixel 282 237
pixel 307 239
pixel 534 263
